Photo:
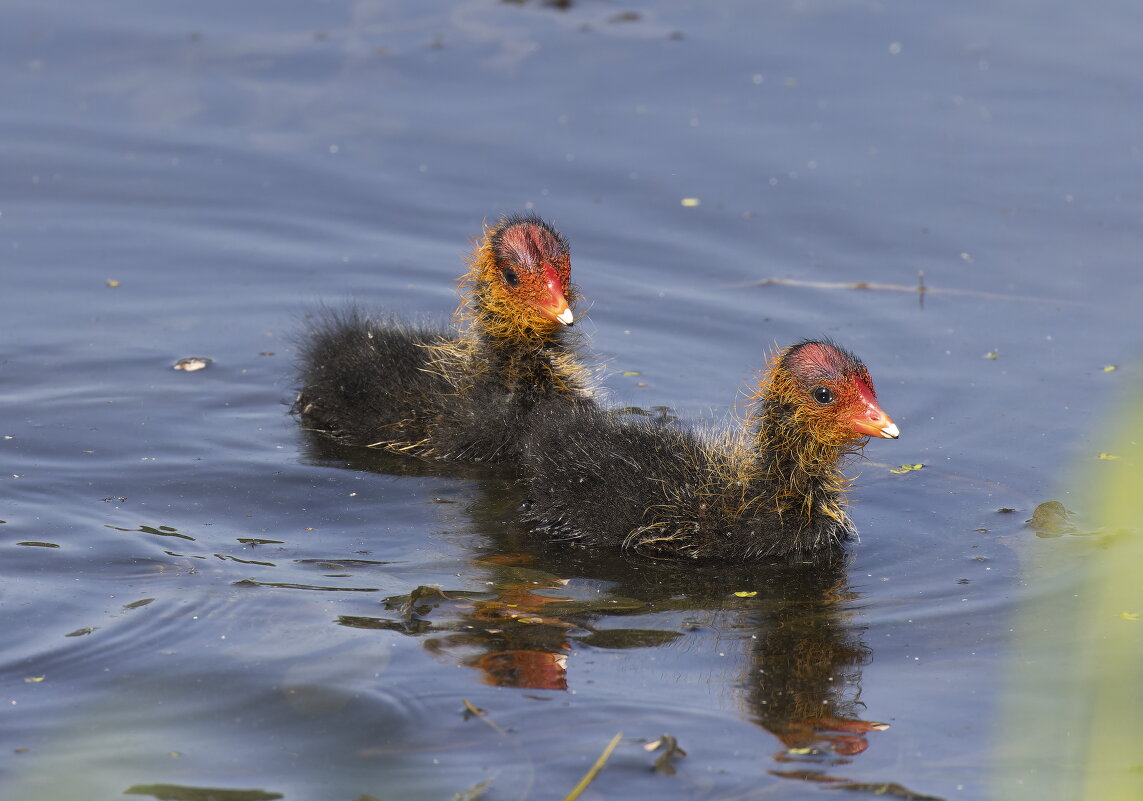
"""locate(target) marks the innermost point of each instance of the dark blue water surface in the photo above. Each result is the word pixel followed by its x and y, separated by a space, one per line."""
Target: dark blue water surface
pixel 197 595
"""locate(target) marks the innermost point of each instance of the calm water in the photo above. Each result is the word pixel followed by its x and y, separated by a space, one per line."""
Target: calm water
pixel 197 596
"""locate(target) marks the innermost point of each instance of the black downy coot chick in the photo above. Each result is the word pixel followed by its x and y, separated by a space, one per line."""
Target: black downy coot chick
pixel 770 489
pixel 463 394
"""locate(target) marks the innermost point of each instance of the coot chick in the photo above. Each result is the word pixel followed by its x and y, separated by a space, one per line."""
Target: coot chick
pixel 463 394
pixel 772 488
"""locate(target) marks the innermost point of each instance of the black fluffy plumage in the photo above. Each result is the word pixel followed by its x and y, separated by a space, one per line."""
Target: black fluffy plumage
pixel 770 489
pixel 465 394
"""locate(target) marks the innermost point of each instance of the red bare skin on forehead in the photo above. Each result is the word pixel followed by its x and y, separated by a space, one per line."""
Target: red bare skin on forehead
pixel 531 246
pixel 813 362
pixel 821 361
pixel 816 356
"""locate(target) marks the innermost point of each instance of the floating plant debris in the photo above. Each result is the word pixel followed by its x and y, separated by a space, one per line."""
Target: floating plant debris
pixel 664 764
pixel 473 711
pixel 192 364
pixel 1051 519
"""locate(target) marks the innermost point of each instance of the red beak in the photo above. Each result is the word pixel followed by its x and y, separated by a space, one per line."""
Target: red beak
pixel 876 423
pixel 554 305
pixel 871 420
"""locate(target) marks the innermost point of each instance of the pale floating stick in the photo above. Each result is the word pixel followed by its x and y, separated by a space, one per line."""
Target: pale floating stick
pixel 594 769
pixel 919 289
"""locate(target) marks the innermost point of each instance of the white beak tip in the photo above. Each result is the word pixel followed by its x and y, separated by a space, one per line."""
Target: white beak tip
pixel 566 317
pixel 890 431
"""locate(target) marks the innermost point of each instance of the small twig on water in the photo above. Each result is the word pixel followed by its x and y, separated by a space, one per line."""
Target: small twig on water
pixel 477 712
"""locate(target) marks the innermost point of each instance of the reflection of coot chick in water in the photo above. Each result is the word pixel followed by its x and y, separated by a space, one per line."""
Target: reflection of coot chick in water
pixel 772 488
pixel 462 396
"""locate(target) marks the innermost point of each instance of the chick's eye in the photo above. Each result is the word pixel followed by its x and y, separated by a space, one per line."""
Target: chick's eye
pixel 511 279
pixel 823 396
